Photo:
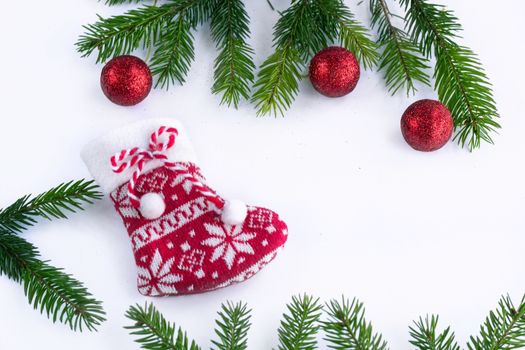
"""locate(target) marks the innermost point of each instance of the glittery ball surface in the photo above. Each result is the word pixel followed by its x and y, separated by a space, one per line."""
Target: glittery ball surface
pixel 126 80
pixel 427 125
pixel 334 71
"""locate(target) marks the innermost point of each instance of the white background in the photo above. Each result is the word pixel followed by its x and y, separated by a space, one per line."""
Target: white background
pixel 408 233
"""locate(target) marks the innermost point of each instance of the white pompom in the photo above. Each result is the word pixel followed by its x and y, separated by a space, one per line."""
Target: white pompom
pixel 152 205
pixel 234 212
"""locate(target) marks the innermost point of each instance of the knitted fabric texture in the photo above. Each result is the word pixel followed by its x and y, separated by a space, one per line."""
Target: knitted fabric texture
pixel 189 249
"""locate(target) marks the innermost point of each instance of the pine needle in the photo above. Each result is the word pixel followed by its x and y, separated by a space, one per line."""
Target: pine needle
pixel 504 328
pixel 234 66
pixel 425 337
pixel 232 327
pixel 347 328
pixel 138 28
pixel 461 82
pixel 296 37
pixel 401 60
pixel 154 332
pixel 355 38
pixel 300 324
pixel 120 2
pixel 174 53
pixel 55 203
pixel 338 23
pixel 278 81
pixel 53 292
pixel 120 35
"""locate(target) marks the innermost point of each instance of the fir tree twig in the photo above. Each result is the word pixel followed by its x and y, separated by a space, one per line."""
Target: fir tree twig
pixel 155 332
pixel 234 65
pixel 504 329
pixel 355 37
pixel 338 23
pixel 141 27
pixel 300 325
pixel 232 327
pixel 278 81
pixel 347 328
pixel 125 33
pixel 55 203
pixel 461 83
pixel 49 289
pixel 401 59
pixel 174 52
pixel 121 2
pixel 296 35
pixel 425 337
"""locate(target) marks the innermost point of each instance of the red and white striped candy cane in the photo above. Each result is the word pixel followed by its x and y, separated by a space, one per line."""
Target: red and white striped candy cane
pixel 138 157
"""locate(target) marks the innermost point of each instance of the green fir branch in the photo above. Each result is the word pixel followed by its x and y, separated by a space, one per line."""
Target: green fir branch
pixel 232 327
pixel 338 23
pixel 55 203
pixel 138 28
pixel 121 2
pixel 174 53
pixel 300 324
pixel 175 49
pixel 296 37
pixel 424 335
pixel 197 11
pixel 347 328
pixel 48 289
pixel 355 37
pixel 306 26
pixel 234 65
pixel 278 81
pixel 154 332
pixel 120 35
pixel 504 328
pixel 401 59
pixel 461 82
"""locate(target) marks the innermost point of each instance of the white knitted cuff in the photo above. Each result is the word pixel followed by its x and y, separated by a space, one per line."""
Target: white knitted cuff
pixel 96 154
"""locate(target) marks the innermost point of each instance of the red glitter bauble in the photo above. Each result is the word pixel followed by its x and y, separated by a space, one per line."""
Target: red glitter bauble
pixel 126 80
pixel 427 125
pixel 334 71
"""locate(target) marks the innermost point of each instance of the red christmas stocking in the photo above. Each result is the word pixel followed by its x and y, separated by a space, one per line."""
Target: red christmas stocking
pixel 185 237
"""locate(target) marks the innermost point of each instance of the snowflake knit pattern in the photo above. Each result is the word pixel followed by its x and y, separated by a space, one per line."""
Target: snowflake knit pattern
pixel 189 248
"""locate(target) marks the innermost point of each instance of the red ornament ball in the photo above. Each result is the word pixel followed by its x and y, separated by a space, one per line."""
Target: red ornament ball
pixel 427 125
pixel 126 80
pixel 334 71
